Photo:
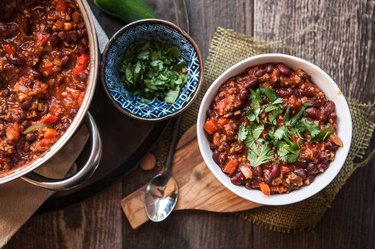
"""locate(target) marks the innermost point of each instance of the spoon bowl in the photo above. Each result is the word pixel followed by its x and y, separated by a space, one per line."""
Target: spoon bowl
pixel 161 196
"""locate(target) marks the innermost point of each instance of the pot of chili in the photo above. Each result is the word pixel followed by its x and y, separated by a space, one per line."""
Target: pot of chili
pixel 48 72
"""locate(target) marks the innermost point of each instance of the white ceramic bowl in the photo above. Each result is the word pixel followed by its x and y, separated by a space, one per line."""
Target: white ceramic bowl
pixel 332 92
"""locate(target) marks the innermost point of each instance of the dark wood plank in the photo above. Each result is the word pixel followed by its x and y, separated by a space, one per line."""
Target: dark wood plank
pixel 206 15
pixel 342 43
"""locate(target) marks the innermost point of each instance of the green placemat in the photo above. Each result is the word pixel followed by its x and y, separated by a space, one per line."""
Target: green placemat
pixel 227 48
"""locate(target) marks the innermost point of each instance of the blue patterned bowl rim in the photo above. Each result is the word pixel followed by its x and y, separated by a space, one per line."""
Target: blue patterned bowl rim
pixel 116 96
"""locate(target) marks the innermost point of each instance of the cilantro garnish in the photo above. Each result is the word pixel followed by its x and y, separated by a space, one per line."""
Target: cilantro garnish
pixel 259 154
pixel 152 70
pixel 279 137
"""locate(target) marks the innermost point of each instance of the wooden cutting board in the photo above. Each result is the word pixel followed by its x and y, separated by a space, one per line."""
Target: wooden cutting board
pixel 198 187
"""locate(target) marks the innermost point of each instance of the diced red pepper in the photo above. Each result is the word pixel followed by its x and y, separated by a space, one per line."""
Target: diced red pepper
pixel 13 132
pixel 210 126
pixel 78 70
pixel 9 49
pixel 83 59
pixel 60 5
pixel 50 133
pixel 265 188
pixel 82 62
pixel 45 142
pixel 231 166
pixel 49 119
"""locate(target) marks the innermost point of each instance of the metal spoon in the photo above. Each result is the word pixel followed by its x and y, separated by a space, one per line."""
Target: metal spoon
pixel 162 191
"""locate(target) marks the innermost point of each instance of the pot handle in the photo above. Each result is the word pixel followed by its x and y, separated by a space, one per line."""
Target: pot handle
pixel 85 172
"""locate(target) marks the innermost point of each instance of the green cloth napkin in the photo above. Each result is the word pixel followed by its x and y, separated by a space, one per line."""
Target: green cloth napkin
pixel 227 48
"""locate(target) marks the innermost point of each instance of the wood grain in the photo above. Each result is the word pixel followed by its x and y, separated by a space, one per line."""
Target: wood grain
pixel 198 187
pixel 343 45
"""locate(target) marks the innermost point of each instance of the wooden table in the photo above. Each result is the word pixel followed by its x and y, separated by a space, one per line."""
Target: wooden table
pixel 343 45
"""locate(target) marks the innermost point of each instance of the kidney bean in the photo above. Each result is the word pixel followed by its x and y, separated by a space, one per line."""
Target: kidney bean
pixel 312 169
pixel 244 95
pixel 284 69
pixel 31 137
pixel 54 40
pixel 309 180
pixel 301 173
pixel 312 112
pixel 260 72
pixel 216 156
pixel 252 83
pixel 223 158
pixel 283 93
pixel 275 170
pixel 329 107
pixel 269 68
pixel 259 171
pixel 267 176
pixel 237 179
pixel 16 60
pixel 322 167
pixel 35 73
pixel 333 117
pixel 323 156
pixel 26 25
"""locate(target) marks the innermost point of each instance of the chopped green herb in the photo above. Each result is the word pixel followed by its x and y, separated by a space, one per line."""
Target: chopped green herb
pixel 323 135
pixel 242 133
pixel 153 70
pixel 311 127
pixel 259 154
pixel 288 152
pixel 270 93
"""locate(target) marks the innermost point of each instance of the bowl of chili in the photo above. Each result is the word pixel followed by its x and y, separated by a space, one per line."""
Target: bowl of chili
pixel 151 70
pixel 48 69
pixel 274 129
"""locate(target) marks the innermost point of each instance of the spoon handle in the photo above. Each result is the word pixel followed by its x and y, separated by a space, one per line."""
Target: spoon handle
pixel 172 146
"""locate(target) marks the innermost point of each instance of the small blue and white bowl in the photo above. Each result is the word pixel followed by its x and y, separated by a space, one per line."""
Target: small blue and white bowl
pixel 150 30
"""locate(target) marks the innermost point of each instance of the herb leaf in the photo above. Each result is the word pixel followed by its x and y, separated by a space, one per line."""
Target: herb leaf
pixel 242 133
pixel 259 153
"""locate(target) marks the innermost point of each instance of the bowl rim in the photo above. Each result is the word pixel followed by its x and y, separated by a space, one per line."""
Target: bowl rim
pixel 125 29
pixel 306 191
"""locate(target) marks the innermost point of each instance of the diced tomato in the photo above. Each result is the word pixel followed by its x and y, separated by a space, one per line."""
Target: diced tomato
pixel 13 132
pixel 45 142
pixel 47 64
pixel 265 188
pixel 9 49
pixel 60 5
pixel 79 69
pixel 49 119
pixel 210 126
pixel 50 133
pixel 231 166
pixel 83 59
